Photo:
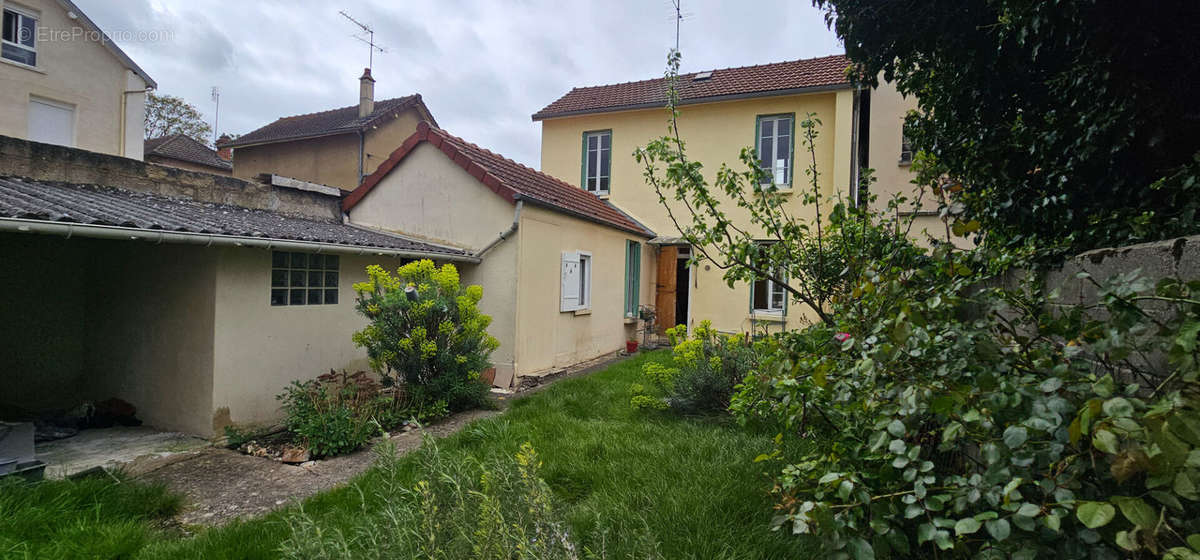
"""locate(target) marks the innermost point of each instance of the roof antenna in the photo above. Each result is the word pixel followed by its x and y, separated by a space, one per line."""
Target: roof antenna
pixel 370 40
pixel 679 16
pixel 216 97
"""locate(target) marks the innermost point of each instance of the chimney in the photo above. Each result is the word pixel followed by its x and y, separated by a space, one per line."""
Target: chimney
pixel 225 153
pixel 366 94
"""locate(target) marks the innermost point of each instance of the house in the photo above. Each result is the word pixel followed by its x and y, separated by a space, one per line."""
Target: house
pixel 68 83
pixel 561 268
pixel 185 152
pixel 337 147
pixel 195 297
pixel 589 133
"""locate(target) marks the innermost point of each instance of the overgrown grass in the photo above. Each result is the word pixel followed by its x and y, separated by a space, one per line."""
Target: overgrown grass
pixel 95 517
pixel 618 476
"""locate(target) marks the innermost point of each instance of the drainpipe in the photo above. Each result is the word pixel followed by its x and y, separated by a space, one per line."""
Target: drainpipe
pixel 361 148
pixel 504 234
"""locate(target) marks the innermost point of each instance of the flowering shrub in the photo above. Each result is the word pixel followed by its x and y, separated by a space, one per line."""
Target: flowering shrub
pixel 705 370
pixel 426 333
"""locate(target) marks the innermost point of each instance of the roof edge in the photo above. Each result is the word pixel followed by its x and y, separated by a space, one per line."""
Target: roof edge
pixel 582 216
pixel 110 44
pixel 542 115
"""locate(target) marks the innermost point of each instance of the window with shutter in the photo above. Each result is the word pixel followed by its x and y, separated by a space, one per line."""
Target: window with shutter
pixel 570 281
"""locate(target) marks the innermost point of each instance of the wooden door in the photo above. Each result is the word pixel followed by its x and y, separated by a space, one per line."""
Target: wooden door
pixel 664 293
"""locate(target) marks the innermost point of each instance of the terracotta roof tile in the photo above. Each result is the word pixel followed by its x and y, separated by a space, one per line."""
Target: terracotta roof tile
pixel 334 121
pixel 507 178
pixel 747 81
pixel 184 148
pixel 95 205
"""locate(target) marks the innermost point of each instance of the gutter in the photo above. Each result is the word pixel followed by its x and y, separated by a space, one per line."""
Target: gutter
pixel 504 234
pixel 540 116
pixel 69 230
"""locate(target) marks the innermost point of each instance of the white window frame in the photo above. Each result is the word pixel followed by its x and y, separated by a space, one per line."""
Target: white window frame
pixel 773 289
pixel 25 14
pixel 300 279
pixel 906 151
pixel 585 265
pixel 772 170
pixel 595 158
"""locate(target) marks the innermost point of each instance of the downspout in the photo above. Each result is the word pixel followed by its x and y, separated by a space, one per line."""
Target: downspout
pixel 361 148
pixel 504 234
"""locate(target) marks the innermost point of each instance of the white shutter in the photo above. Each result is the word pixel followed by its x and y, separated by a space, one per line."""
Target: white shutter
pixel 570 282
pixel 51 122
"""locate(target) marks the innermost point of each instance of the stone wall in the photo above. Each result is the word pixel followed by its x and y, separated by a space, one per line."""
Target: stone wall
pixel 46 162
pixel 1173 258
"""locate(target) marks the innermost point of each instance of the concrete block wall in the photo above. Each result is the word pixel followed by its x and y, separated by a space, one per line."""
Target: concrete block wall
pixel 50 163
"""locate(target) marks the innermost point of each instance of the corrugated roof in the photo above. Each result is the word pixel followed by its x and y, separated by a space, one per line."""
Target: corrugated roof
pixel 184 148
pixel 779 78
pixel 94 205
pixel 324 123
pixel 507 178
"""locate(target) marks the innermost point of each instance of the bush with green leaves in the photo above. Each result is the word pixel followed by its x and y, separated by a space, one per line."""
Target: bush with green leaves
pixel 991 423
pixel 335 413
pixel 705 370
pixel 426 333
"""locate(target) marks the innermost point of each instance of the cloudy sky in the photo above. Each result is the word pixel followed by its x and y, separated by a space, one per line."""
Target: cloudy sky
pixel 482 66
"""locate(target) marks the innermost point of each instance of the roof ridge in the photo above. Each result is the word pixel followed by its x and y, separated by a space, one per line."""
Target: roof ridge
pixel 411 95
pixel 815 58
pixel 514 162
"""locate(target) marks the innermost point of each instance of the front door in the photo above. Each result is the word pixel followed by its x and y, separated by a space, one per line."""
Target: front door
pixel 665 286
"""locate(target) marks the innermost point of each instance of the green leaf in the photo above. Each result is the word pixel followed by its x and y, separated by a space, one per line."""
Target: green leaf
pixel 925 532
pixel 1184 486
pixel 1029 510
pixel 860 549
pixel 966 526
pixel 1137 511
pixel 1095 514
pixel 1015 436
pixel 1053 522
pixel 1105 441
pixel 999 529
pixel 1194 541
pixel 1050 385
pixel 896 428
pixel 1126 541
pixel 1180 553
pixel 1118 407
pixel 761 458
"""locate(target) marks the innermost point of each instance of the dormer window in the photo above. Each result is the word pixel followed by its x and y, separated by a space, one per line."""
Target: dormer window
pixel 18 42
pixel 597 159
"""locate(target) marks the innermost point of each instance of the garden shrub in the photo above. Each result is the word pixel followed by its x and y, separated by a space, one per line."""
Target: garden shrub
pixel 335 413
pixel 426 334
pixel 457 508
pixel 705 370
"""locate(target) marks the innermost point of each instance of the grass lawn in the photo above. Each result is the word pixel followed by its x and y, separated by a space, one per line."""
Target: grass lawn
pixel 690 484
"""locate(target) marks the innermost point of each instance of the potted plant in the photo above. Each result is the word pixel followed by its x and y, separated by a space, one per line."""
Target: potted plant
pixel 631 346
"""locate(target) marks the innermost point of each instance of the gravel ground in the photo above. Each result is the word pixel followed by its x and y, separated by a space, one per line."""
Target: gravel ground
pixel 221 484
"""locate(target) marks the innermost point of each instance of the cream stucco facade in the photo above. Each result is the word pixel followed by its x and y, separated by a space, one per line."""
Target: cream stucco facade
pixel 715 133
pixel 78 86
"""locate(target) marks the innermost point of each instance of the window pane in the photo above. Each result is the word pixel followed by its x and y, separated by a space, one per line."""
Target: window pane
pixel 298 278
pixel 279 297
pixel 296 297
pixel 760 294
pixel 777 296
pixel 314 297
pixel 766 154
pixel 19 54
pixel 606 141
pixel 316 261
pixel 279 259
pixel 299 260
pixel 331 279
pixel 593 142
pixel 605 156
pixel 604 184
pixel 584 265
pixel 331 262
pixel 591 184
pixel 28 31
pixel 768 128
pixel 330 297
pixel 279 278
pixel 10 26
pixel 316 279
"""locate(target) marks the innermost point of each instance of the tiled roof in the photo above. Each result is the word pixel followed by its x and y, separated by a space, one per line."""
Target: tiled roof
pixel 507 178
pixel 779 78
pixel 105 206
pixel 335 121
pixel 184 148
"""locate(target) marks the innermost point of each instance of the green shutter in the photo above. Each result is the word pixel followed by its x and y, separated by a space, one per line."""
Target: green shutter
pixel 791 170
pixel 633 275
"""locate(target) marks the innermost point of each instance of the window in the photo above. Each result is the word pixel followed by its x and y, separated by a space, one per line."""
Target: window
pixel 303 279
pixel 906 152
pixel 775 148
pixel 51 122
pixel 597 159
pixel 633 277
pixel 18 42
pixel 768 297
pixel 576 281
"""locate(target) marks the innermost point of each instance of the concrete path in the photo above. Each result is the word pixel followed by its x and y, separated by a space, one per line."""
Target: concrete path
pixel 114 447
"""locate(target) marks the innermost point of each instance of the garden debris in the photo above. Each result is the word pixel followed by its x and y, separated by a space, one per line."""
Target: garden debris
pixel 293 454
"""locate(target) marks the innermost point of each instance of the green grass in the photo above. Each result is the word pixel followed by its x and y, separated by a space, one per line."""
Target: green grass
pixel 616 474
pixel 94 517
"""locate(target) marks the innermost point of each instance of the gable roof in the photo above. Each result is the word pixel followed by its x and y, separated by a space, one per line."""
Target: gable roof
pixel 343 120
pixel 109 44
pixel 505 177
pixel 91 205
pixel 184 148
pixel 780 78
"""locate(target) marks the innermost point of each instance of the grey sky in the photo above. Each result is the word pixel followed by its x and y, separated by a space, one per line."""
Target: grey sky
pixel 482 67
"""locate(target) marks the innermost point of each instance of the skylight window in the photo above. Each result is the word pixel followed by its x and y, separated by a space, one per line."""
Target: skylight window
pixel 702 76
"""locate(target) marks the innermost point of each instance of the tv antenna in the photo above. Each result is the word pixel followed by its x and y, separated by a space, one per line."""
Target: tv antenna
pixel 216 97
pixel 679 16
pixel 369 40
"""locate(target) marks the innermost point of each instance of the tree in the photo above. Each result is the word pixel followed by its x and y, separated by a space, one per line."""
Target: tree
pixel 1070 124
pixel 167 114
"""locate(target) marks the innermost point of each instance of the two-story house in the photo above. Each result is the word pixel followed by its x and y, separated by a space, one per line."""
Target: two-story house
pixel 589 134
pixel 338 147
pixel 66 82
